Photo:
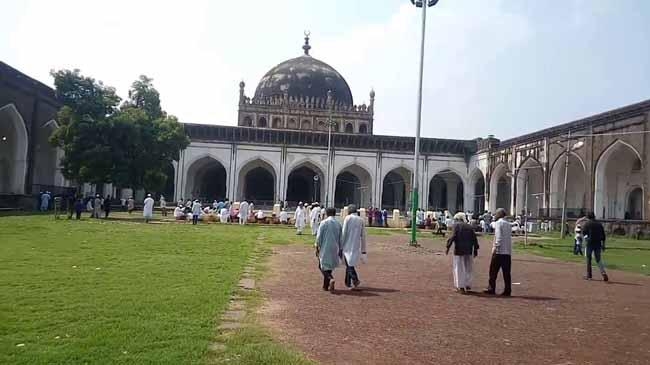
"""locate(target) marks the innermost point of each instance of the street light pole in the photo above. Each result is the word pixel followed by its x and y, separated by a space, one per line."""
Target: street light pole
pixel 329 148
pixel 416 160
pixel 566 175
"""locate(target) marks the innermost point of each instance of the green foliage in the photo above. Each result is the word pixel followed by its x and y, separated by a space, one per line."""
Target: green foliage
pixel 131 146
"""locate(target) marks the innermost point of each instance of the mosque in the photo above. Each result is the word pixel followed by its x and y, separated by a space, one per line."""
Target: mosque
pixel 279 152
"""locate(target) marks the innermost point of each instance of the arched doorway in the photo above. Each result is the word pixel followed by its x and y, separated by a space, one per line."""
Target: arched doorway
pixel 395 188
pixel 277 123
pixel 530 173
pixel 446 192
pixel 206 180
pixel 261 123
pixel 353 186
pixel 305 124
pixel 478 197
pixel 500 189
pixel 13 151
pixel 618 168
pixel 45 158
pixel 349 128
pixel 575 187
pixel 304 184
pixel 257 183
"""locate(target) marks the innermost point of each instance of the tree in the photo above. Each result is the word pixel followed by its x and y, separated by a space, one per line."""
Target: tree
pixel 130 146
pixel 85 126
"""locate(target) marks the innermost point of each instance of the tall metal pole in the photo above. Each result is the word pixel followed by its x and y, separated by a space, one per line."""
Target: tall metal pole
pixel 416 160
pixel 329 148
pixel 566 175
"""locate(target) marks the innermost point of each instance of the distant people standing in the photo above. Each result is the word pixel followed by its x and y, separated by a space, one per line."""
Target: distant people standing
pixel 147 211
pixel 71 201
pixel 594 234
pixel 384 216
pixel 501 254
pixel 196 212
pixel 97 206
pixel 78 208
pixel 299 216
pixel 243 212
pixel 353 245
pixel 465 249
pixel 487 222
pixel 328 248
pixel 284 217
pixel 370 214
pixel 123 204
pixel 314 219
pixel 223 215
pixel 163 206
pixel 45 201
pixel 107 206
pixel 579 237
pixel 130 205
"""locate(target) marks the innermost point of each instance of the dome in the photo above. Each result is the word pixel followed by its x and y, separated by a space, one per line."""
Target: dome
pixel 304 76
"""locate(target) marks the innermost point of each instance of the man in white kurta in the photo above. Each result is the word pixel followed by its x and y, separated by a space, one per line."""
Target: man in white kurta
pixel 284 216
pixel 328 248
pixel 466 248
pixel 353 244
pixel 223 215
pixel 314 219
pixel 243 212
pixel 299 217
pixel 147 211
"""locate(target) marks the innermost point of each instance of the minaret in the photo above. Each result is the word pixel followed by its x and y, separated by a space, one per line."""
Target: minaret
pixel 371 108
pixel 242 98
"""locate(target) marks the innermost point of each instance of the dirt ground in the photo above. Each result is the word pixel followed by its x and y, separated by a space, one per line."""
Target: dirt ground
pixel 408 312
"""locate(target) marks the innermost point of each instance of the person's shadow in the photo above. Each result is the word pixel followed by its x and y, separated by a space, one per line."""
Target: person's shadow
pixel 524 297
pixel 365 291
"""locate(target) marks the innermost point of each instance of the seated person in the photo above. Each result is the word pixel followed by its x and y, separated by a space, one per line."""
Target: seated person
pixel 284 217
pixel 427 223
pixel 179 213
pixel 260 217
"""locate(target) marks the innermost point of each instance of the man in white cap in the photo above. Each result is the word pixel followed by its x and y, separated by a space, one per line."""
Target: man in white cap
pixel 299 216
pixel 147 211
pixel 328 248
pixel 314 218
pixel 465 248
pixel 243 212
pixel 353 244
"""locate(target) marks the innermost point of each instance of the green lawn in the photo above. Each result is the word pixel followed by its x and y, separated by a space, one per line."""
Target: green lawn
pixel 117 292
pixel 621 254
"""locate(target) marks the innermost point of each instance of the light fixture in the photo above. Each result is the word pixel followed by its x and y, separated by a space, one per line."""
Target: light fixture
pixel 4 138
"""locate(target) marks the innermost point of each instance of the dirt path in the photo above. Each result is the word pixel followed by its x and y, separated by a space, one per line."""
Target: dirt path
pixel 408 312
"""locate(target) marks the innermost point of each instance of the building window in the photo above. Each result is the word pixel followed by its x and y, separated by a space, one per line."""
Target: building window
pixel 349 128
pixel 322 126
pixel 363 129
pixel 292 124
pixel 248 121
pixel 277 123
pixel 261 122
pixel 305 124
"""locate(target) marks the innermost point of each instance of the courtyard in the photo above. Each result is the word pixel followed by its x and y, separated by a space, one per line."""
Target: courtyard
pixel 120 291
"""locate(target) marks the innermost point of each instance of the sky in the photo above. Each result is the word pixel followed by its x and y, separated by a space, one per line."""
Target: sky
pixel 501 67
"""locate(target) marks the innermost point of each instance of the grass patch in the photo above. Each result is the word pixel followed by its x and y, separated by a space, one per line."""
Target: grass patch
pixel 621 254
pixel 115 292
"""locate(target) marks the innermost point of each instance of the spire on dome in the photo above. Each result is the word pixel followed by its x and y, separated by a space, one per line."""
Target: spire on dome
pixel 306 47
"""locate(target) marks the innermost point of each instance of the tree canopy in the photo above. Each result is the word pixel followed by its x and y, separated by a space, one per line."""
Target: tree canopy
pixel 130 146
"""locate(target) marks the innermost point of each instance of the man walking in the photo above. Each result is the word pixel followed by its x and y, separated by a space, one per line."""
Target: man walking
pixel 299 217
pixel 594 234
pixel 465 248
pixel 501 252
pixel 97 206
pixel 353 244
pixel 147 211
pixel 107 206
pixel 314 218
pixel 328 248
pixel 196 212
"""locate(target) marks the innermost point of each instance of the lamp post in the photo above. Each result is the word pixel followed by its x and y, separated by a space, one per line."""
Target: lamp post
pixel 568 151
pixel 416 183
pixel 330 124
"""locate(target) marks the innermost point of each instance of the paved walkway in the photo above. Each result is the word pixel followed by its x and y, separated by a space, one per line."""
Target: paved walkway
pixel 408 313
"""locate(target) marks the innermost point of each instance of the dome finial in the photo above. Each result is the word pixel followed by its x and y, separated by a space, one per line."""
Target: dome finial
pixel 306 47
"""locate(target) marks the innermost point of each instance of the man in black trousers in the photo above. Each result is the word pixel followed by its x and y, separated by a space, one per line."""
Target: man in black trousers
pixel 501 254
pixel 594 234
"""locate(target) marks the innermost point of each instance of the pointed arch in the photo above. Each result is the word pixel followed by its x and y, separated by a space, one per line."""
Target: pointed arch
pixel 619 166
pixel 301 185
pixel 207 179
pixel 353 185
pixel 476 187
pixel 395 188
pixel 576 197
pixel 500 188
pixel 530 187
pixel 257 181
pixel 14 142
pixel 447 191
